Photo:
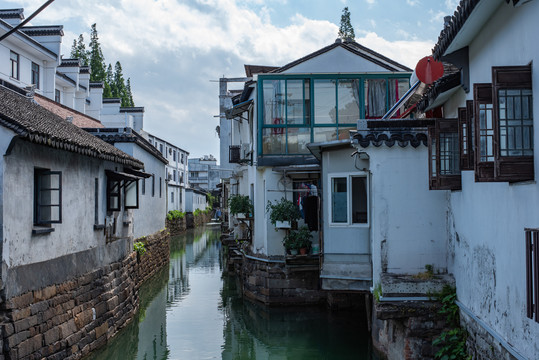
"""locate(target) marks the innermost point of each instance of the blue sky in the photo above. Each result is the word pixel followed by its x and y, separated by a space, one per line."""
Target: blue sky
pixel 171 49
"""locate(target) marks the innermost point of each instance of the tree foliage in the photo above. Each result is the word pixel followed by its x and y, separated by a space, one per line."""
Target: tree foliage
pixel 114 85
pixel 78 50
pixel 346 30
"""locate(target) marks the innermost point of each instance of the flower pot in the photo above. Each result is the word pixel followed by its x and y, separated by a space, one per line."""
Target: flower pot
pixel 303 251
pixel 282 224
pixel 293 251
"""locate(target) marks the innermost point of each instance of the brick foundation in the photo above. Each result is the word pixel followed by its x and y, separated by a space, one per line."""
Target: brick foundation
pixel 70 319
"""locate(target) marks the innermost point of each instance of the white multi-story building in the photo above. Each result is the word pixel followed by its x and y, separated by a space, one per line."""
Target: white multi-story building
pixel 204 173
pixel 176 174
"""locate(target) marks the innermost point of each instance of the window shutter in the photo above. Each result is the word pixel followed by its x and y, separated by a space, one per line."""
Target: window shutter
pixel 444 165
pixel 518 167
pixel 484 133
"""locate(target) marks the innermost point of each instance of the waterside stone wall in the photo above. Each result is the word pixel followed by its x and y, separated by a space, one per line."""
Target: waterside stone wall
pixel 70 319
pixel 281 283
pixel 406 330
pixel 178 226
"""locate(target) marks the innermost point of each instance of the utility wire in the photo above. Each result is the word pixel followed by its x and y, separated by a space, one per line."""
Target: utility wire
pixel 25 21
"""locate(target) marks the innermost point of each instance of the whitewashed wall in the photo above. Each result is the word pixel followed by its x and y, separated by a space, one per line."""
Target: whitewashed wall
pixel 487 249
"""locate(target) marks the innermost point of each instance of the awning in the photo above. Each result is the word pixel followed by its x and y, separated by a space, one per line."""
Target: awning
pixel 138 173
pixel 128 179
pixel 239 109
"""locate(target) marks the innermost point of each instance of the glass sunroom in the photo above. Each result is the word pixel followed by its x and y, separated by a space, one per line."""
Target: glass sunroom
pixel 294 110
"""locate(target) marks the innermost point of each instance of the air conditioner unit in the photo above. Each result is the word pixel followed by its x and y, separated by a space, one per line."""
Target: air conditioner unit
pixel 234 154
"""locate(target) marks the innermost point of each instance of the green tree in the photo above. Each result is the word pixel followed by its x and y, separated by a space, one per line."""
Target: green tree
pixel 346 31
pixel 130 101
pixel 109 80
pixel 78 50
pixel 119 89
pixel 97 60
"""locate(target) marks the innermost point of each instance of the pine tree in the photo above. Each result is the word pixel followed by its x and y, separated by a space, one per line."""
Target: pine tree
pixel 119 88
pixel 346 31
pixel 97 60
pixel 131 103
pixel 108 83
pixel 78 50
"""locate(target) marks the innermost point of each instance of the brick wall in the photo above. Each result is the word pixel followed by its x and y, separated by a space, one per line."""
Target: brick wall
pixel 276 283
pixel 176 226
pixel 71 319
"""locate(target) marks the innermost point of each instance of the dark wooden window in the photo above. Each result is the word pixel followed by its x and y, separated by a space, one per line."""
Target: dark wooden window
pixel 47 196
pixel 466 136
pixel 484 132
pixel 35 75
pixel 160 187
pixel 512 98
pixel 114 194
pixel 444 152
pixel 153 185
pixel 143 186
pixel 15 64
pixel 532 273
pixel 96 201
pixel 57 96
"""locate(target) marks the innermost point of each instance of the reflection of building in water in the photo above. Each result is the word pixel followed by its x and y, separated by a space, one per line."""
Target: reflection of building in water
pixel 152 342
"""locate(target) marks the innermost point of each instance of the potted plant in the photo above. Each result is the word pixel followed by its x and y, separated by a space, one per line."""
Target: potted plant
pixel 290 243
pixel 303 240
pixel 282 213
pixel 240 204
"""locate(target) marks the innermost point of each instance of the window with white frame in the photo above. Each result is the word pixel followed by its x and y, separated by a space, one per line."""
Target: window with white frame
pixel 349 199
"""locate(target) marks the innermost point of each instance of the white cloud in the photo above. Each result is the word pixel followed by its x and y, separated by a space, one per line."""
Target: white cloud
pixel 405 52
pixel 172 50
pixel 412 2
pixel 451 5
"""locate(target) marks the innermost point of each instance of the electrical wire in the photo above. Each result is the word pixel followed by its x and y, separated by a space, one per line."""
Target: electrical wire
pixel 26 21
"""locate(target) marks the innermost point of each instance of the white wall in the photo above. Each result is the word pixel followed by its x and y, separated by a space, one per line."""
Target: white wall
pixel 408 220
pixel 150 216
pixel 76 232
pixel 487 248
pixel 337 60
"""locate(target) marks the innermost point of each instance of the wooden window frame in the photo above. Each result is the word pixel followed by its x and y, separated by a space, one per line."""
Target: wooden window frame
pixel 511 168
pixel 114 193
pixel 532 274
pixel 484 170
pixel 350 222
pixel 466 136
pixel 35 74
pixel 15 65
pixel 38 175
pixel 438 180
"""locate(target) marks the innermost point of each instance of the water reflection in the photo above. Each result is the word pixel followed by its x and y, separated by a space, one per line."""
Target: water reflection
pixel 193 311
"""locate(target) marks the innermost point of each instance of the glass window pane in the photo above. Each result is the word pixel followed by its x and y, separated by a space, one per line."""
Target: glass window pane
pixel 324 102
pixel 274 101
pixel 322 134
pixel 375 98
pixel 294 101
pixel 339 205
pixel 348 100
pixel 131 194
pixel 273 141
pixel 298 138
pixel 360 204
pixel 397 88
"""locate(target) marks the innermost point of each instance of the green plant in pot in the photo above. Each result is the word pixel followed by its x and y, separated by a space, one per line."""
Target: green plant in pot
pixel 240 204
pixel 290 243
pixel 282 213
pixel 303 239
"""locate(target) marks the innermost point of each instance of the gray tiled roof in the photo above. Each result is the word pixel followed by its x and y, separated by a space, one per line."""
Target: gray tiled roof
pixel 459 18
pixel 36 124
pixel 12 14
pixel 43 30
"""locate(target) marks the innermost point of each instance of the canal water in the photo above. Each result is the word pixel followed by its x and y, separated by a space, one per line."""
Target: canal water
pixel 193 310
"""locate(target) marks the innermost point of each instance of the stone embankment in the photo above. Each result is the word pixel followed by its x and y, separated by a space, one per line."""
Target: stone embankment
pixel 73 318
pixel 180 225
